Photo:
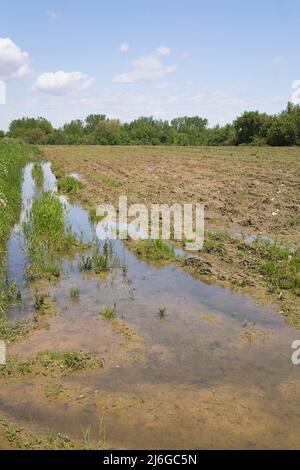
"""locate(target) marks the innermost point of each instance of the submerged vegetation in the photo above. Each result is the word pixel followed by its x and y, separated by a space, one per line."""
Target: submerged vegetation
pixel 49 362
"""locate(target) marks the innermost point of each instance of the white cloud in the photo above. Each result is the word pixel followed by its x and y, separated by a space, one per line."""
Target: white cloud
pixel 13 62
pixel 295 98
pixel 53 15
pixel 124 47
pixel 163 50
pixel 148 68
pixel 62 83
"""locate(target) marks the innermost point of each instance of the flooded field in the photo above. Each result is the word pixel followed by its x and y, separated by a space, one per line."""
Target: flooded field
pixel 181 363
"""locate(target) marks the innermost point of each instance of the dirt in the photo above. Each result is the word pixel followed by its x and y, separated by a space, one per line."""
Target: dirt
pixel 246 190
pixel 240 187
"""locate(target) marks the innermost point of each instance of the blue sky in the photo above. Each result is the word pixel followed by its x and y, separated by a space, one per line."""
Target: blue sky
pixel 125 58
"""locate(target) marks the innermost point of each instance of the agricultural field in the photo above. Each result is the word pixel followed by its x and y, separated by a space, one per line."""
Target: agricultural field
pixel 137 343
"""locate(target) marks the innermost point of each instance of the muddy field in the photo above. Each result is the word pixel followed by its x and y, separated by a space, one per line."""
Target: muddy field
pixel 247 192
pixel 171 354
pixel 242 188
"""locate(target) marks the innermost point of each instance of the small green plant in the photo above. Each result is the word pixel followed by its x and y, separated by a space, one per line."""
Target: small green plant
pixel 47 236
pixel 69 184
pixel 74 293
pixel 162 312
pixel 154 250
pixel 108 312
pixel 97 260
pixel 39 301
pixel 38 176
pixel 281 267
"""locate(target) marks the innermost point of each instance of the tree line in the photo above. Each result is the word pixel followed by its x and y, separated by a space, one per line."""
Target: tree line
pixel 251 128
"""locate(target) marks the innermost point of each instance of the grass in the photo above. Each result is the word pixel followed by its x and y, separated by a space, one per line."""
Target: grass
pixel 12 331
pixel 74 293
pixel 108 312
pixel 38 176
pixel 68 361
pixel 93 217
pixel 153 250
pixel 48 237
pixel 13 157
pixel 23 439
pixel 69 185
pixel 49 363
pixel 109 181
pixel 281 267
pixel 96 261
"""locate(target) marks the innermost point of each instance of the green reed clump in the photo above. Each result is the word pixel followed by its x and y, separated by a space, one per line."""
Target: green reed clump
pixel 109 312
pixel 96 260
pixel 48 237
pixel 38 176
pixel 69 185
pixel 74 293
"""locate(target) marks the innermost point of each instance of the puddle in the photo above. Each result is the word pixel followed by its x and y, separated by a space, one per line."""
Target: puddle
pixel 194 368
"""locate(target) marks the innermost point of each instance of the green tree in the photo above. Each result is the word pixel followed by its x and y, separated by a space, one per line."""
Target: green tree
pixel 252 126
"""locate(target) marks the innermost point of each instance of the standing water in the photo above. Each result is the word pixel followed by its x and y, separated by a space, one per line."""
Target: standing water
pixel 214 372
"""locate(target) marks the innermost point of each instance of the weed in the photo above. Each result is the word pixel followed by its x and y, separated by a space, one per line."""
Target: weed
pixel 74 293
pixel 110 181
pixel 281 267
pixel 97 260
pixel 47 236
pixel 109 312
pixel 69 185
pixel 162 312
pixel 154 250
pixel 38 176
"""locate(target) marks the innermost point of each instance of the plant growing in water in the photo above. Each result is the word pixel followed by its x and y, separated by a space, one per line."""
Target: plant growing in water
pixel 109 312
pixel 162 312
pixel 69 185
pixel 74 293
pixel 47 237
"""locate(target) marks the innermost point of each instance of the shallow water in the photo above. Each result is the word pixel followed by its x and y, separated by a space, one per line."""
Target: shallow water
pixel 190 370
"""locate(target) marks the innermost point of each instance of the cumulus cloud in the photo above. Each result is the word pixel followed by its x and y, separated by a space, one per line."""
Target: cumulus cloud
pixel 62 83
pixel 148 68
pixel 14 63
pixel 124 47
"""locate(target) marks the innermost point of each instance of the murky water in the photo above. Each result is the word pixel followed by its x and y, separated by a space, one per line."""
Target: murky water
pixel 215 372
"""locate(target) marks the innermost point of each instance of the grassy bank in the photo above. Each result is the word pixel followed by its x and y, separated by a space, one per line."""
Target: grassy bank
pixel 12 159
pixel 13 156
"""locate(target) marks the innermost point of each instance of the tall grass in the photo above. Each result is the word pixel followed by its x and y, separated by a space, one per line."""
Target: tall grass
pixel 281 267
pixel 12 159
pixel 13 156
pixel 69 185
pixel 38 176
pixel 48 237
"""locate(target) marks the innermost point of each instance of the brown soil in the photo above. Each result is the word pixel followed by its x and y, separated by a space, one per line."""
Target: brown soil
pixel 254 191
